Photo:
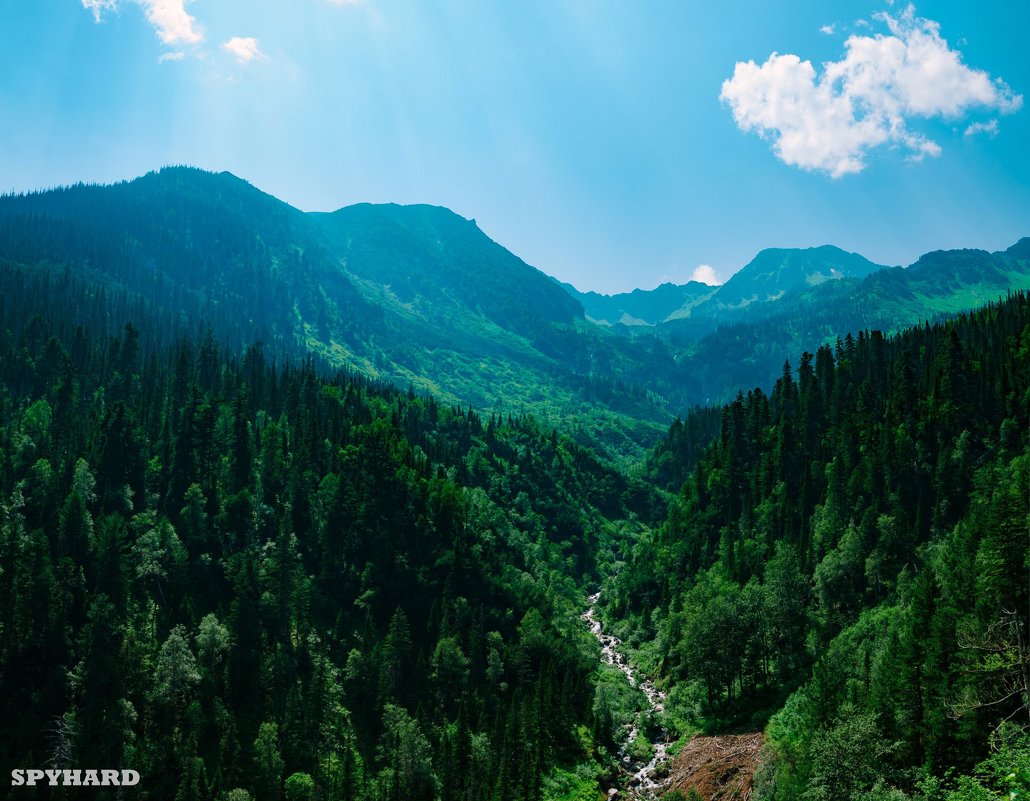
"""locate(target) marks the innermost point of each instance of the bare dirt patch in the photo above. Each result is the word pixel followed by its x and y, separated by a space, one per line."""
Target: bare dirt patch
pixel 717 768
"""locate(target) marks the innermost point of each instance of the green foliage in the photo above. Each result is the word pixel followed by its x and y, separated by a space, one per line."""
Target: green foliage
pixel 228 571
pixel 641 749
pixel 406 752
pixel 846 757
pixel 1004 774
pixel 616 704
pixel 421 297
pixel 426 299
pixel 224 565
pixel 299 787
pixel 176 674
pixel 851 547
pixel 580 783
pixel 268 764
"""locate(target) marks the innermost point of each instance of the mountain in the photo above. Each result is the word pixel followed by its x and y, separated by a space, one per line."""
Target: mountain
pixel 749 350
pixel 237 557
pixel 207 245
pixel 1020 250
pixel 775 272
pixel 428 256
pixel 421 297
pixel 952 280
pixel 642 307
pixel 413 295
pixel 785 302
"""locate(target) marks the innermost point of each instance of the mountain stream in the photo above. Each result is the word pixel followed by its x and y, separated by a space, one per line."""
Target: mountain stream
pixel 642 781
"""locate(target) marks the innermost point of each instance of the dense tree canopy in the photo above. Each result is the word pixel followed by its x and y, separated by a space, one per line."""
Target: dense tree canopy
pixel 853 548
pixel 230 573
pixel 246 575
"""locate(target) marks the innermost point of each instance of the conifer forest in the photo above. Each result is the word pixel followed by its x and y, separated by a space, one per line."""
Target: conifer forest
pixel 251 547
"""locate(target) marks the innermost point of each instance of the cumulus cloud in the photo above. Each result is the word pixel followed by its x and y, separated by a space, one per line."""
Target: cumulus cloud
pixel 172 23
pixel 705 273
pixel 244 48
pixel 827 29
pixel 177 55
pixel 830 121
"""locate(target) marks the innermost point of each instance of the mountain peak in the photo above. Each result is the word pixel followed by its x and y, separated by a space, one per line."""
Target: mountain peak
pixel 432 253
pixel 641 307
pixel 775 271
pixel 195 179
pixel 1020 250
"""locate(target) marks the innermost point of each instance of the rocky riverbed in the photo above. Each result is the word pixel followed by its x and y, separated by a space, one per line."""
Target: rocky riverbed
pixel 641 781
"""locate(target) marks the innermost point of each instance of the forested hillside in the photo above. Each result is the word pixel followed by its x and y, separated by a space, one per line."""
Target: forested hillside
pixel 230 573
pixel 413 295
pixel 419 296
pixel 727 347
pixel 849 562
pixel 235 558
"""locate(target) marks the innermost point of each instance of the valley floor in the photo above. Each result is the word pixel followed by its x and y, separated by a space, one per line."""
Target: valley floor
pixel 644 781
pixel 713 767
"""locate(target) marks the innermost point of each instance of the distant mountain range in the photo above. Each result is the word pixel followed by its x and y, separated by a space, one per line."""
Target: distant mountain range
pixel 800 297
pixel 420 296
pixel 642 307
pixel 770 276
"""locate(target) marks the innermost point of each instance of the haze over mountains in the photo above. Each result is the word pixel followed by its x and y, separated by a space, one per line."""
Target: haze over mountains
pixel 420 296
pixel 770 276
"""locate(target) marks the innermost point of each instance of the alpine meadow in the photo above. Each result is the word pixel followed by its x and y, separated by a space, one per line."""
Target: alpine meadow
pixel 360 505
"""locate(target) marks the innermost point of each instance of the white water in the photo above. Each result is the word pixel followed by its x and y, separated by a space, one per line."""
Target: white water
pixel 641 780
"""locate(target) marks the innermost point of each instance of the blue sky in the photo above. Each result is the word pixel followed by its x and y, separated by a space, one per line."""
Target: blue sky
pixel 611 144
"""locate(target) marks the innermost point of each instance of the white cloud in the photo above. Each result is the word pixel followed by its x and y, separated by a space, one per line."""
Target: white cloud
pixel 990 128
pixel 244 48
pixel 169 18
pixel 176 55
pixel 171 21
pixel 827 29
pixel 98 7
pixel 705 273
pixel 345 2
pixel 830 122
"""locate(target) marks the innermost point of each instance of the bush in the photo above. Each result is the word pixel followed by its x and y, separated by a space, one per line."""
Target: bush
pixel 300 787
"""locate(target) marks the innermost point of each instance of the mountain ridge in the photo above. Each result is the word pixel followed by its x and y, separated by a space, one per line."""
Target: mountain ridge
pixel 421 296
pixel 769 276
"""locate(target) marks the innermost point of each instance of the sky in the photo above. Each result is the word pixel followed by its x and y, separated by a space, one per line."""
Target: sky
pixel 613 145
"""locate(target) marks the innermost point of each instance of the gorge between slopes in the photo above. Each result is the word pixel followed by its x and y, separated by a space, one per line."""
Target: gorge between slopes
pixel 642 781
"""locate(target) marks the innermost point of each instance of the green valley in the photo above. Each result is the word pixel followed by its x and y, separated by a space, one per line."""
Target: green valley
pixel 359 505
